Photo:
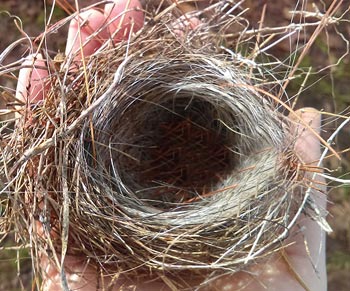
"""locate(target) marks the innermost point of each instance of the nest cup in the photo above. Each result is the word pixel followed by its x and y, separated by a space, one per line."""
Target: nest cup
pixel 175 165
pixel 173 133
pixel 169 160
pixel 175 161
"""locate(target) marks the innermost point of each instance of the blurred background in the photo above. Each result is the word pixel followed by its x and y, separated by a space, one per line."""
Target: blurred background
pixel 326 89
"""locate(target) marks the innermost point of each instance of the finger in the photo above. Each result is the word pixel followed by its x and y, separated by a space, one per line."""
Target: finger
pixel 81 274
pixel 308 252
pixel 124 17
pixel 86 34
pixel 31 85
pixel 307 144
pixel 185 24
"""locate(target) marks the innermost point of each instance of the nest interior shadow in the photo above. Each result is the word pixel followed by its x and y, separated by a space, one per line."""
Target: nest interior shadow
pixel 172 152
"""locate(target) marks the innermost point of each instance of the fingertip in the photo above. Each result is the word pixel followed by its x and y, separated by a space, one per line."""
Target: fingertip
pixel 125 17
pixel 31 84
pixel 311 116
pixel 307 122
pixel 86 31
pixel 184 24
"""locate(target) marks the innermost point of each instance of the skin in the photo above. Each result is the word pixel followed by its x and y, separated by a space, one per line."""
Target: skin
pixel 278 272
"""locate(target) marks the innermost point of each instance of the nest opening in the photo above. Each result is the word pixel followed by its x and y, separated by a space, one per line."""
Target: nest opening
pixel 179 154
pixel 174 134
pixel 187 154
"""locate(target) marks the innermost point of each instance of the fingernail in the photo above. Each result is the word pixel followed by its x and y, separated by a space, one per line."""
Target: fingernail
pixel 125 17
pixel 307 144
pixel 86 31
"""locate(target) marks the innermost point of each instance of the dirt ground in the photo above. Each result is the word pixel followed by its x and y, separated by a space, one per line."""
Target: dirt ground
pixel 328 90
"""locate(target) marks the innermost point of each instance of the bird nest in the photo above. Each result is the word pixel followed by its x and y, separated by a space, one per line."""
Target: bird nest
pixel 164 153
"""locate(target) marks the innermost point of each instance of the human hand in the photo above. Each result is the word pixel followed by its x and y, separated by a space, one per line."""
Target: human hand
pixel 290 269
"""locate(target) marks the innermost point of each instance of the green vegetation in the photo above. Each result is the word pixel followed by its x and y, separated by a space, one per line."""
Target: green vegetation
pixel 339 261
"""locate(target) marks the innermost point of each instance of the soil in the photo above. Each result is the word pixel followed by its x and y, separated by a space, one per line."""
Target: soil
pixel 328 90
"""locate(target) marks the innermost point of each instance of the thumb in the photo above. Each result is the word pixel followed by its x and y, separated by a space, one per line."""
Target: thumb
pixel 307 144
